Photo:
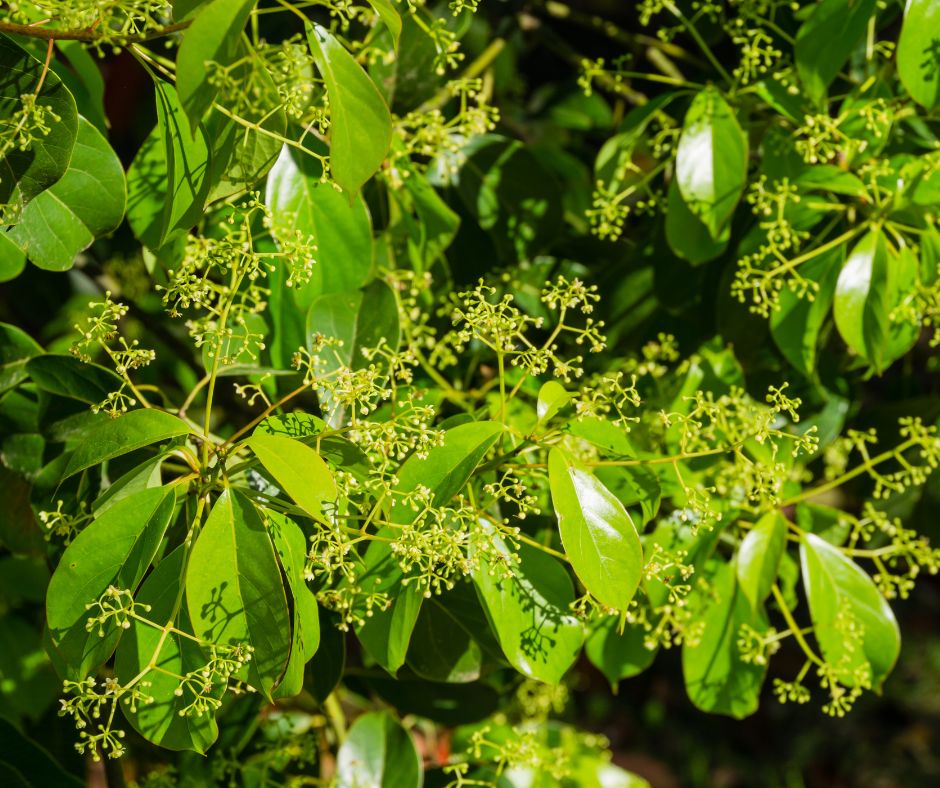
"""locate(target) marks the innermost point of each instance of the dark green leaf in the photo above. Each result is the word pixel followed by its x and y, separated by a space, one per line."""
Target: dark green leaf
pixel 67 376
pixel 711 161
pixel 378 753
pixel 854 625
pixel 686 235
pixel 599 536
pixel 161 721
pixel 360 123
pixel 16 348
pixel 826 39
pixel 31 760
pixel 114 550
pixel 234 589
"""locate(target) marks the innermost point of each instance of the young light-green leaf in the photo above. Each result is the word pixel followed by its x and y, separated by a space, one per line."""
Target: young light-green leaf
pixel 114 550
pixel 360 122
pixel 86 203
pixel 234 589
pixel 599 536
pixel 919 52
pixel 860 305
pixel 711 161
pixel 619 655
pixel 123 435
pixel 378 753
pixel 212 38
pixel 854 625
pixel 759 555
pixel 299 470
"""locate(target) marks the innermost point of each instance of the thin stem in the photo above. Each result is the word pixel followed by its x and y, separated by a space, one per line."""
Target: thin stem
pixel 263 415
pixel 89 35
pixel 794 627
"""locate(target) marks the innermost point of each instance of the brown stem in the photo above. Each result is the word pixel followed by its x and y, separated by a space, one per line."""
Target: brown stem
pixel 88 35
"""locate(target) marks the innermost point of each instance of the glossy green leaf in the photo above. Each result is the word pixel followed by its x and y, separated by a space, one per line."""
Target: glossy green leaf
pixel 918 47
pixel 860 304
pixel 360 122
pixel 378 753
pixel 529 612
pixel 552 398
pixel 211 41
pixel 25 173
pixel 342 232
pixel 619 655
pixel 291 546
pixel 16 349
pixel 795 326
pixel 168 183
pixel 114 550
pixel 717 680
pixel 599 536
pixel 299 470
pixel 122 435
pixel 12 258
pixel 161 721
pixel 234 589
pixel 711 161
pixel 825 41
pixel 759 555
pixel 842 599
pixel 86 203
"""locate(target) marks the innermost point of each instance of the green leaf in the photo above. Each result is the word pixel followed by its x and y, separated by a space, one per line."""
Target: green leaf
pixel 360 122
pixel 796 325
pixel 552 398
pixel 67 376
pixel 291 546
pixel 378 753
pixel 25 173
pixel 299 470
pixel 168 183
pixel 843 597
pixel 389 16
pixel 918 47
pixel 529 611
pixel 825 41
pixel 686 235
pixel 114 550
pixel 12 258
pixel 717 680
pixel 445 470
pixel 711 161
pixel 85 204
pixel 123 435
pixel 300 203
pixel 599 536
pixel 212 38
pixel 360 319
pixel 434 226
pixel 759 556
pixel 16 349
pixel 619 656
pixel 860 305
pixel 161 721
pixel 234 589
